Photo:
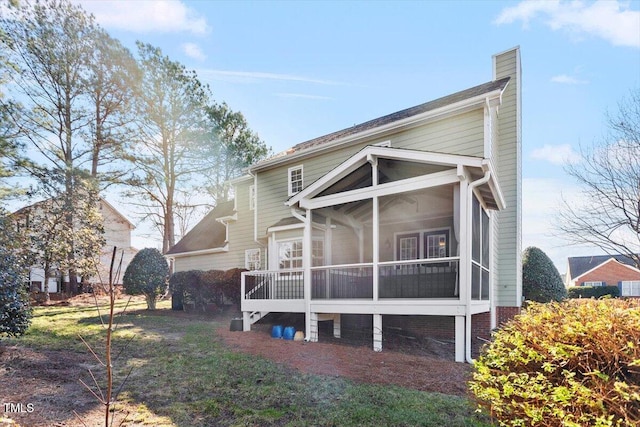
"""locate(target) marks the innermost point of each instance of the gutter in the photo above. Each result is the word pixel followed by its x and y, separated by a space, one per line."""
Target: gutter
pixel 467 335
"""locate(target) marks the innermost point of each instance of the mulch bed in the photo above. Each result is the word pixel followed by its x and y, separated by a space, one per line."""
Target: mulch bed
pixel 403 365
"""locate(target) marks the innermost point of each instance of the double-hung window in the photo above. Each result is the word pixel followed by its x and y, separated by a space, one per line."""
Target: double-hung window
pixel 630 288
pixel 290 254
pixel 295 179
pixel 252 259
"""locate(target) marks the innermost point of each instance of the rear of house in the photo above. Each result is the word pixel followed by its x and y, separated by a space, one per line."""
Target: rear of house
pixel 412 219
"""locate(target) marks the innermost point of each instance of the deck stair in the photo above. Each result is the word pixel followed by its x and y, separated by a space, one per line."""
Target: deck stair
pixel 257 315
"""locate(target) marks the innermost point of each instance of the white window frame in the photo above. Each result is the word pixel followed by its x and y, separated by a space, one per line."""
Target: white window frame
pixel 317 254
pixel 422 241
pixel 594 283
pixel 252 197
pixel 630 288
pixel 252 259
pixel 290 181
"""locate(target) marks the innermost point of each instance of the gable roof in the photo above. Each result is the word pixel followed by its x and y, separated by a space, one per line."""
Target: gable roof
pixel 582 264
pixel 449 100
pixel 209 233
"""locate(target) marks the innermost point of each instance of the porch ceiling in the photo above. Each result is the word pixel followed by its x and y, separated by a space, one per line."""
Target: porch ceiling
pixel 399 171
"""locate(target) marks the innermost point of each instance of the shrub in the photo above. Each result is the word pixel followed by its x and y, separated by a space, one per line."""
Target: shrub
pixel 232 284
pixel 541 281
pixel 15 311
pixel 178 283
pixel 575 363
pixel 147 275
pixel 593 291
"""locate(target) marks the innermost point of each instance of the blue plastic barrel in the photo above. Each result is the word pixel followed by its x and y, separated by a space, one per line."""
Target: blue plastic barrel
pixel 276 331
pixel 289 333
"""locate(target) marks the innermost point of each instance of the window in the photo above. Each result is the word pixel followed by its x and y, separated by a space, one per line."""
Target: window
pixel 436 244
pixel 252 259
pixel 296 183
pixel 290 254
pixel 592 283
pixel 422 244
pixel 630 288
pixel 252 197
pixel 317 252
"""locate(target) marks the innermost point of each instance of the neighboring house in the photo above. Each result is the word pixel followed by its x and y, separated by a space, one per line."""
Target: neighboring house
pixel 413 218
pixel 604 270
pixel 117 232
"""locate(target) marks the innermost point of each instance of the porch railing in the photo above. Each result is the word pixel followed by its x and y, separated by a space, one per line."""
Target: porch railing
pixel 415 279
pixel 342 281
pixel 425 278
pixel 281 284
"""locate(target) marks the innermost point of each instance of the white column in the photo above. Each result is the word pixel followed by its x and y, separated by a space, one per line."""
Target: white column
pixel 336 325
pixel 306 263
pixel 377 332
pixel 459 338
pixel 313 331
pixel 376 247
pixel 246 321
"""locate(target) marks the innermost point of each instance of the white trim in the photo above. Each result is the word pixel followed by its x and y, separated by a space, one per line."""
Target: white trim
pixel 224 248
pixel 396 187
pixel 421 234
pixel 285 227
pixel 289 180
pixel 240 179
pixel 363 155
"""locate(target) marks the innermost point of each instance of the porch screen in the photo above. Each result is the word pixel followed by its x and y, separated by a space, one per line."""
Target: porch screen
pixel 480 252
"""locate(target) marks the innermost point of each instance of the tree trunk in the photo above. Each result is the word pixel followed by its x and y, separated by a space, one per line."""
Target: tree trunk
pixel 151 302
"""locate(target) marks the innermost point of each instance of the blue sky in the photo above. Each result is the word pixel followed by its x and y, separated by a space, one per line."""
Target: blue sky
pixel 298 70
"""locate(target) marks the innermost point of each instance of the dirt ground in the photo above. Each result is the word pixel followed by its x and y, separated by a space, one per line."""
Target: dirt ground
pixel 50 377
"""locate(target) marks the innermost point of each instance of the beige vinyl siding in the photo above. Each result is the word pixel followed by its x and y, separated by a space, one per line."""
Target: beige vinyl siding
pixel 240 239
pixel 508 222
pixel 462 134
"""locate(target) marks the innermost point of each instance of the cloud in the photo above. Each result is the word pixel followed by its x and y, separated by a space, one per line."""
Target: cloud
pixel 301 95
pixel 612 21
pixel 556 154
pixel 258 76
pixel 568 80
pixel 164 16
pixel 192 50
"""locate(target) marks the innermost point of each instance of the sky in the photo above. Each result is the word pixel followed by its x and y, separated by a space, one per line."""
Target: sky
pixel 298 70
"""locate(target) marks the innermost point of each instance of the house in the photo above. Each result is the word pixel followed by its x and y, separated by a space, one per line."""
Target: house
pixel 412 218
pixel 604 270
pixel 117 232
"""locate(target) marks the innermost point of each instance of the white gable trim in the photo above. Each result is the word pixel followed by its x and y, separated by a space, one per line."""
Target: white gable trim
pixel 371 151
pixel 575 280
pixel 224 248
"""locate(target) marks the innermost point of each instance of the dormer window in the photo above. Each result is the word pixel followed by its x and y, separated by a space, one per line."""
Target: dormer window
pixel 296 183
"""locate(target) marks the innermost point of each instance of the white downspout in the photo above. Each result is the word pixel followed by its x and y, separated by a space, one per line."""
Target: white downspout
pixel 467 335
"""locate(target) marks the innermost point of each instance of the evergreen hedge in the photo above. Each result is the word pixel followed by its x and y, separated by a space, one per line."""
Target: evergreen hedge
pixel 593 291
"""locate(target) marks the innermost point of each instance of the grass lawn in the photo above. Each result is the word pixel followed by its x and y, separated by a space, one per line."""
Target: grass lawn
pixel 180 374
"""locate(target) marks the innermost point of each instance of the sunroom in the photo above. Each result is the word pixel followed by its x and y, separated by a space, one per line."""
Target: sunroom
pixel 389 231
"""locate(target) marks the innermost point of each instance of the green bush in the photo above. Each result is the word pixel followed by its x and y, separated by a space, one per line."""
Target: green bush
pixel 15 310
pixel 575 363
pixel 178 283
pixel 541 281
pixel 147 275
pixel 593 291
pixel 232 284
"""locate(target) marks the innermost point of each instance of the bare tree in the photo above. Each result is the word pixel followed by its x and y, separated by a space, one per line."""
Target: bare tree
pixel 608 215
